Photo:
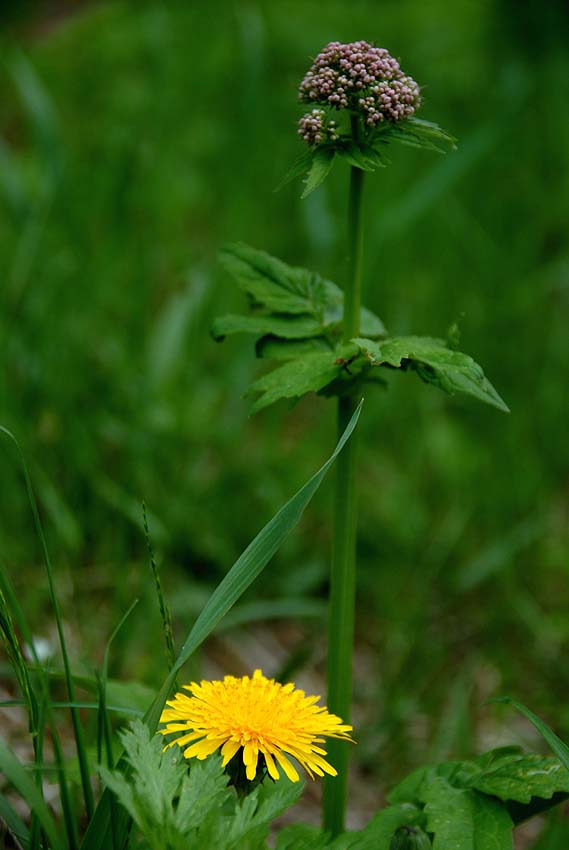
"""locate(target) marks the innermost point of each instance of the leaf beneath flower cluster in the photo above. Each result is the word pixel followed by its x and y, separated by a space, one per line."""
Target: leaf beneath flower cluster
pixel 367 154
pixel 415 133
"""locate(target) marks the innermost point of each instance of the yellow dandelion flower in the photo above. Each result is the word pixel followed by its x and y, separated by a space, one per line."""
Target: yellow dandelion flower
pixel 258 716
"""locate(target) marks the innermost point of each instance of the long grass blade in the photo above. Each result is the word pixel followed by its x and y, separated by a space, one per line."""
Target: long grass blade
pixel 77 729
pixel 243 572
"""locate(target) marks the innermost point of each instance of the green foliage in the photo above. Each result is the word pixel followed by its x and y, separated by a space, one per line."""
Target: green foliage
pixel 298 318
pixel 368 154
pixel 515 776
pixel 465 820
pixel 474 804
pixel 180 807
pixel 309 373
pixel 281 292
pixel 381 829
pixel 435 363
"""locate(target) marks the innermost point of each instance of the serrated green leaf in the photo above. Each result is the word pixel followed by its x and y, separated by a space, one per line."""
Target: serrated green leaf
pixel 298 377
pixel 451 371
pixel 285 290
pixel 465 820
pixel 416 133
pixel 521 777
pixel 273 284
pixel 289 327
pixel 320 168
pixel 255 814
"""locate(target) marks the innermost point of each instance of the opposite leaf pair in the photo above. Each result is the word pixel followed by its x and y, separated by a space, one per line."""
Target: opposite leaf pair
pixel 297 318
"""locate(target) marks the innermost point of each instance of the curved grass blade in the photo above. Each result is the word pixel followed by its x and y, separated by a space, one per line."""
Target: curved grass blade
pixel 103 725
pixel 257 555
pixel 241 575
pixel 558 746
pixel 19 778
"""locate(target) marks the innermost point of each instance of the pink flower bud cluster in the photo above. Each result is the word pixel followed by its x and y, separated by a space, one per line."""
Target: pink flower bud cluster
pixel 363 78
pixel 315 129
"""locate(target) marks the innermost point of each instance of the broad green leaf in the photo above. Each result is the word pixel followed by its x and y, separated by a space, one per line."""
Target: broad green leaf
pixel 287 290
pixel 322 162
pixel 241 575
pixel 18 776
pixel 465 820
pixel 270 282
pixel 379 831
pixel 558 746
pixel 527 783
pixel 411 788
pixel 297 377
pixel 287 327
pixel 521 777
pixel 416 133
pixel 451 371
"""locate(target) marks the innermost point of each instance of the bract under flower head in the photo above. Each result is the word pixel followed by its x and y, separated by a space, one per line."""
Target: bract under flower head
pixel 365 79
pixel 257 716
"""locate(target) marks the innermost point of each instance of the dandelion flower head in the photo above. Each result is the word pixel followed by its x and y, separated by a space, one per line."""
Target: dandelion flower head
pixel 258 716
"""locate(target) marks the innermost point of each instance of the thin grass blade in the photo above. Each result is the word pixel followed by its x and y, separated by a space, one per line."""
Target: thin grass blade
pixel 77 728
pixel 558 746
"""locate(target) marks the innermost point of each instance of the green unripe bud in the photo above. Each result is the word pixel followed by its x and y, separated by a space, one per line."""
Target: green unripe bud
pixel 410 838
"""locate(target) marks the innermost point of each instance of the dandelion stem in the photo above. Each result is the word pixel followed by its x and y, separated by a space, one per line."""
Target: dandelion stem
pixel 343 569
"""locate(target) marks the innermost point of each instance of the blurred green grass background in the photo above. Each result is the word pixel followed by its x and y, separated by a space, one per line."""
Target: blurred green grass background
pixel 137 138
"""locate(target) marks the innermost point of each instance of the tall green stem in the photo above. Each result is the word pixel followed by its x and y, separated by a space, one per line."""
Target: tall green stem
pixel 343 569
